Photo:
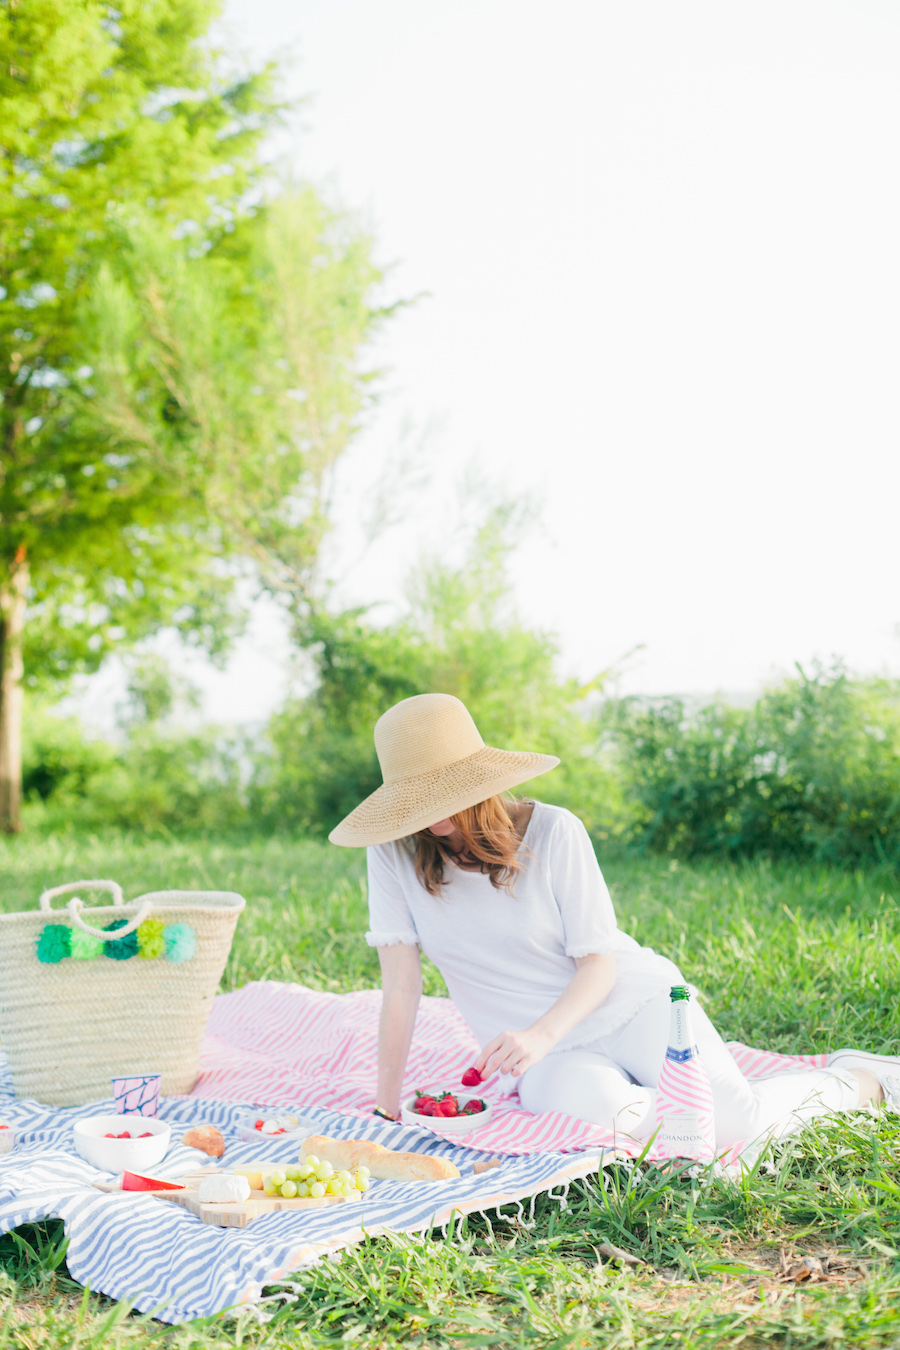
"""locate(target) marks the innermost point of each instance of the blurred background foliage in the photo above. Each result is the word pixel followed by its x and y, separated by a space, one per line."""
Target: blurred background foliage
pixel 810 771
pixel 184 357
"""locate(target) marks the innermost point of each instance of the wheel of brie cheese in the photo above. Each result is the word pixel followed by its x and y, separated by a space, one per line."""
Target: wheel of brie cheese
pixel 221 1189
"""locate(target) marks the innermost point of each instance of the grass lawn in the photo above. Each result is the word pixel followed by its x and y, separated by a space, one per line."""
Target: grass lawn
pixel 792 958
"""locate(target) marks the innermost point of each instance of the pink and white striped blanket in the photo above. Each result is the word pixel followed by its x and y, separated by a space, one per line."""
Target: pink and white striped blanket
pixel 284 1044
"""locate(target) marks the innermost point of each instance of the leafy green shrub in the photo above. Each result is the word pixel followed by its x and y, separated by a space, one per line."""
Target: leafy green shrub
pixel 812 771
pixel 58 759
pixel 171 780
pixel 156 779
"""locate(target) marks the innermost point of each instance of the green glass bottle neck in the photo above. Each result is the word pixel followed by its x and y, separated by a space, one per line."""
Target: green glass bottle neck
pixel 679 993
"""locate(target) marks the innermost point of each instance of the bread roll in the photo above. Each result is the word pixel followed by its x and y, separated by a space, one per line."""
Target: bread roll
pixel 207 1138
pixel 384 1164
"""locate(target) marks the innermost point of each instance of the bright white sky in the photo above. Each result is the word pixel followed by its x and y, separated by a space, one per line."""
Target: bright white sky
pixel 660 244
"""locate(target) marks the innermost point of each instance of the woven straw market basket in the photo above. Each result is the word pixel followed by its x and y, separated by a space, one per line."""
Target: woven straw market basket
pixel 86 994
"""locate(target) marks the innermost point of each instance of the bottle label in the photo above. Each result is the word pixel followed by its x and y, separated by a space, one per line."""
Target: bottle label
pixel 681 1035
pixel 681 1135
pixel 682 1056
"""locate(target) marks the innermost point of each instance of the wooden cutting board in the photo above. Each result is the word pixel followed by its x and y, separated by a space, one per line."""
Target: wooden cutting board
pixel 226 1213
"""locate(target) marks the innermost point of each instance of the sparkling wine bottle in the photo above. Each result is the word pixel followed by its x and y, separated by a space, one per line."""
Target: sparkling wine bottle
pixel 684 1105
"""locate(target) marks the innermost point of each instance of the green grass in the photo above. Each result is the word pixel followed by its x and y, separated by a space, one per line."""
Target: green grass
pixel 795 958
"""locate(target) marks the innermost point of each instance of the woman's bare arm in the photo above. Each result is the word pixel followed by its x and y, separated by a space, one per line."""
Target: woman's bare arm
pixel 401 984
pixel 515 1051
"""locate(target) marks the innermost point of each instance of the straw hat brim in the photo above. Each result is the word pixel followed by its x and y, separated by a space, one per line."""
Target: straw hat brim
pixel 397 809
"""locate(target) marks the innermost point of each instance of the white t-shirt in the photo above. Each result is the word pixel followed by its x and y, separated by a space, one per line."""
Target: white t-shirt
pixel 506 958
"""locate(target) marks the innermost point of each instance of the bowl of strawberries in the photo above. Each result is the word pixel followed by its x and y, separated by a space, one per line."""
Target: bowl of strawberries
pixel 447 1110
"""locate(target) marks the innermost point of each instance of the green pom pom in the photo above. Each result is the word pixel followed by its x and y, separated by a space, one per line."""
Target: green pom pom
pixel 125 947
pixel 181 942
pixel 151 942
pixel 54 943
pixel 85 946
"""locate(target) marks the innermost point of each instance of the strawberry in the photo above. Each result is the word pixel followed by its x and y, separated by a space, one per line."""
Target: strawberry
pixel 447 1107
pixel 425 1106
pixel 148 1134
pixel 430 1108
pixel 110 1136
pixel 258 1124
pixel 449 1097
pixel 471 1078
pixel 126 1134
pixel 473 1107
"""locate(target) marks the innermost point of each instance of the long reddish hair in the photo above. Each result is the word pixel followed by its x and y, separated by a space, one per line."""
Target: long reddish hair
pixel 490 845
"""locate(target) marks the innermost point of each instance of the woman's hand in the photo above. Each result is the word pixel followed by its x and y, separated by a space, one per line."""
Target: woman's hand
pixel 514 1051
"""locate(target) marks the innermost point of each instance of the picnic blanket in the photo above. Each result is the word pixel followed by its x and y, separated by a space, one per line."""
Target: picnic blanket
pixel 285 1043
pixel 271 1046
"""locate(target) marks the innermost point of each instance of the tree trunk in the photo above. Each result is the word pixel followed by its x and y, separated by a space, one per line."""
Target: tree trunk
pixel 12 623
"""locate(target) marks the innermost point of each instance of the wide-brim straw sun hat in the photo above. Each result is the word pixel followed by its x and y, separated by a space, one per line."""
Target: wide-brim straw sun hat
pixel 434 763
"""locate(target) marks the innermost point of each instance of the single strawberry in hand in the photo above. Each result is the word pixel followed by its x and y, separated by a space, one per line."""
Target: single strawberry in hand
pixel 471 1078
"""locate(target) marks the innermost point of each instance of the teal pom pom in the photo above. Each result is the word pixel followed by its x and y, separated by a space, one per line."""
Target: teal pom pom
pixel 54 943
pixel 125 947
pixel 181 942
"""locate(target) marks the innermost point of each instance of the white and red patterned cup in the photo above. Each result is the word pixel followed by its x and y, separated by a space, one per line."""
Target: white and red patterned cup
pixel 137 1094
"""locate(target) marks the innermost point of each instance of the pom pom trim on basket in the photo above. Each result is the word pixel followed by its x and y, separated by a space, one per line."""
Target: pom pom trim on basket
pixel 152 940
pixel 69 1025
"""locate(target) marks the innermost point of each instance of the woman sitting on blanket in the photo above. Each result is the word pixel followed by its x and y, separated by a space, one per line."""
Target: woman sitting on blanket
pixel 507 900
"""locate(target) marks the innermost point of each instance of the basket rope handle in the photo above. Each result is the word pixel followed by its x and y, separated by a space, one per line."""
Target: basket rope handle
pixel 117 897
pixel 75 906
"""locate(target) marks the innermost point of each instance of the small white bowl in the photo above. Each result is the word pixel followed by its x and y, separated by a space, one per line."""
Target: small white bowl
pixel 119 1155
pixel 303 1127
pixel 448 1124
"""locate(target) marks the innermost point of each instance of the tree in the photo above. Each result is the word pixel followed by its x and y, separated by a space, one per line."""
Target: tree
pixel 179 359
pixel 461 635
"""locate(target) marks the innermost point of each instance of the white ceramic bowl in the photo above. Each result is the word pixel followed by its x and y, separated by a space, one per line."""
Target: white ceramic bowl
pixel 452 1125
pixel 119 1155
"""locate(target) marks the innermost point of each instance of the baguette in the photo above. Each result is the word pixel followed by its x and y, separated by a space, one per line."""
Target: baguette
pixel 384 1164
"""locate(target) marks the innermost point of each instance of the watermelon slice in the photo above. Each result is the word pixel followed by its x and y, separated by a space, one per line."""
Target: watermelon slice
pixel 133 1181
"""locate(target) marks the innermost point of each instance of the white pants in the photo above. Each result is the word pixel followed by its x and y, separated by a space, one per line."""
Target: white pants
pixel 615 1086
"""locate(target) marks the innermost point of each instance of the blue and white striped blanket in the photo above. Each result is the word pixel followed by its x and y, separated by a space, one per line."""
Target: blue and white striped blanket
pixel 168 1262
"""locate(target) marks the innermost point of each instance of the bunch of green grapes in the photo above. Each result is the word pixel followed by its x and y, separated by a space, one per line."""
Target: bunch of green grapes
pixel 313 1179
